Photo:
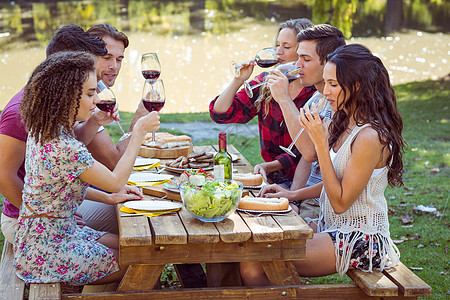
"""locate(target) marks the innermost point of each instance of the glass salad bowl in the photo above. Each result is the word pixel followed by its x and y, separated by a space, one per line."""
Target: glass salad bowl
pixel 212 201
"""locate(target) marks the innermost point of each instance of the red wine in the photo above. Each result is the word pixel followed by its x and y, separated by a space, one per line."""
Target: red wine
pixel 151 74
pixel 153 105
pixel 106 105
pixel 267 63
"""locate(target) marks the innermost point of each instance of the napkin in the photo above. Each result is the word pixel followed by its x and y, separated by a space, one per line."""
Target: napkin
pixel 147 183
pixel 149 213
pixel 146 167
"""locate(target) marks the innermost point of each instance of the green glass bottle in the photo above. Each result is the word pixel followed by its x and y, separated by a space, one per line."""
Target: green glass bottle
pixel 223 167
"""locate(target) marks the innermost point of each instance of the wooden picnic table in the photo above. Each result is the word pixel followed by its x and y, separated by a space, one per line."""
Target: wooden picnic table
pixel 148 244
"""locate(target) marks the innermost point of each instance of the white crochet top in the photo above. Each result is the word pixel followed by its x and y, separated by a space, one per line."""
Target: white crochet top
pixel 367 216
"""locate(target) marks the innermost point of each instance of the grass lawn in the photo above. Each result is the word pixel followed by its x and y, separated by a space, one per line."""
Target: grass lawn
pixel 423 238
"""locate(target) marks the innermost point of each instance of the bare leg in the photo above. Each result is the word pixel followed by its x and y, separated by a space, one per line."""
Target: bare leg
pixel 320 257
pixel 252 274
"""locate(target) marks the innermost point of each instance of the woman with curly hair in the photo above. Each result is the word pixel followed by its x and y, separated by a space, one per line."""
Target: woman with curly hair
pixel 232 106
pixel 359 153
pixel 49 246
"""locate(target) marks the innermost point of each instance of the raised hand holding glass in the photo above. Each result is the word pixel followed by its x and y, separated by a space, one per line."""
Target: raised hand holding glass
pixel 265 58
pixel 108 99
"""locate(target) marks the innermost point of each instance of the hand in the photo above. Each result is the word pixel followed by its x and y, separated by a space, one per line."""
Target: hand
pixel 279 85
pixel 314 125
pixel 273 191
pixel 103 118
pixel 79 219
pixel 246 70
pixel 126 193
pixel 141 110
pixel 261 169
pixel 148 123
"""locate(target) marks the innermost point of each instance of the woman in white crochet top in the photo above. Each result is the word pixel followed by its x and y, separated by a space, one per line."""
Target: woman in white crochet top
pixel 359 153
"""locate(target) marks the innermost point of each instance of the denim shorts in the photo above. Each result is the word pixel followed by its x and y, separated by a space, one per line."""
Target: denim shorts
pixel 359 258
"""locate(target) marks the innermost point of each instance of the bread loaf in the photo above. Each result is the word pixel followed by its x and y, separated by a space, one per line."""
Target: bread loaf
pixel 248 179
pixel 264 204
pixel 168 140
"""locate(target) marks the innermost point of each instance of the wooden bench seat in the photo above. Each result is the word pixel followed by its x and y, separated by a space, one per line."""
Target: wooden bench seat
pixel 398 281
pixel 12 287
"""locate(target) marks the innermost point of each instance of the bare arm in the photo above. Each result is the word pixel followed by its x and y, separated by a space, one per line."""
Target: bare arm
pixel 279 88
pixel 126 193
pixel 100 176
pixel 103 148
pixel 301 175
pixel 225 99
pixel 12 155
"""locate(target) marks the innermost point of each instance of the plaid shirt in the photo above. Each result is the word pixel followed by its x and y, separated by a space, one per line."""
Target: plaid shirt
pixel 272 128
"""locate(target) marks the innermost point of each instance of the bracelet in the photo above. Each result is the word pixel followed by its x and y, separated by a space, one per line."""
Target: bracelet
pixel 125 136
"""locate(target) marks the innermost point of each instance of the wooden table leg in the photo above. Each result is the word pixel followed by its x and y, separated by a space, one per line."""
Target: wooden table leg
pixel 281 273
pixel 223 274
pixel 140 277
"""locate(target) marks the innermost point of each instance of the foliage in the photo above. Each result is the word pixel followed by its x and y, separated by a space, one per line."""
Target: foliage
pixel 424 239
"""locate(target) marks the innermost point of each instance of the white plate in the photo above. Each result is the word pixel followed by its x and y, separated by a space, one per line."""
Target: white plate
pixel 266 211
pixel 142 161
pixel 152 205
pixel 144 177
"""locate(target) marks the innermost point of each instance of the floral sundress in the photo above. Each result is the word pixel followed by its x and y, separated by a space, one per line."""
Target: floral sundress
pixel 49 246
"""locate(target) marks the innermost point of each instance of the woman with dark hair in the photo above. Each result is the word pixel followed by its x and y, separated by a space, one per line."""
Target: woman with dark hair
pixel 359 154
pixel 49 246
pixel 232 106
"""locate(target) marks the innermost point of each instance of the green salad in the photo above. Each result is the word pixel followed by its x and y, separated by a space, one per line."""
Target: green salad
pixel 211 200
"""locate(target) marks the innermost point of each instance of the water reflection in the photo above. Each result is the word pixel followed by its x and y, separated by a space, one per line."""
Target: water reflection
pixel 197 40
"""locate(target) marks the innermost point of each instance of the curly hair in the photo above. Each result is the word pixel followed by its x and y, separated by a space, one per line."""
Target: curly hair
pixel 296 25
pixel 52 95
pixel 370 100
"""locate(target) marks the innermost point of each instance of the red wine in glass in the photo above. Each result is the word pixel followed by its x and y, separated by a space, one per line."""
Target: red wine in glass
pixel 106 105
pixel 266 63
pixel 153 105
pixel 151 74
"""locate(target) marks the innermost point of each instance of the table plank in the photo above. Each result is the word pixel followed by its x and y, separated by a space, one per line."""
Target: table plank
pixel 233 229
pixel 133 231
pixel 198 231
pixel 294 227
pixel 264 228
pixel 168 229
pixel 214 252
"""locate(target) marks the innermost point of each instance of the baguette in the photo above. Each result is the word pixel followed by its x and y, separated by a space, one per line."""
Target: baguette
pixel 168 140
pixel 248 179
pixel 264 204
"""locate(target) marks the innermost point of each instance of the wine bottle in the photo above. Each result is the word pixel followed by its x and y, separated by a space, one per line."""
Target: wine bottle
pixel 223 168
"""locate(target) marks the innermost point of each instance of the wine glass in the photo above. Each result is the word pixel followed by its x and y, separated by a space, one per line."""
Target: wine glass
pixel 265 58
pixel 289 69
pixel 320 109
pixel 108 99
pixel 150 66
pixel 153 98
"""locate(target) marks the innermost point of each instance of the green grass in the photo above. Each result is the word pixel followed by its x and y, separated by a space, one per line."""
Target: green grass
pixel 425 110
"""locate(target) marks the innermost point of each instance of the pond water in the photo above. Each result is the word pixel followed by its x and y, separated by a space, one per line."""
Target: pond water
pixel 197 40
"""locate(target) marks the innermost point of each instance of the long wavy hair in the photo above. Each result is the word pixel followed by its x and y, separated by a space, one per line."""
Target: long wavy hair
pixel 370 100
pixel 296 25
pixel 52 95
